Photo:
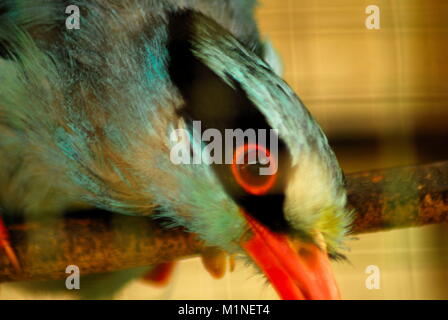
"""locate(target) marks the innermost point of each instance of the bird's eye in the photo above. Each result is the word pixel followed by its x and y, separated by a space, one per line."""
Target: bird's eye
pixel 250 168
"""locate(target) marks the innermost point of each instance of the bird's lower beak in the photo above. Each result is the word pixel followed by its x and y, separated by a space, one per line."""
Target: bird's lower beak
pixel 296 271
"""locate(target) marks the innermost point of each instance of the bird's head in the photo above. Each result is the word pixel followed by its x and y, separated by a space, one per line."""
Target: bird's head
pixel 289 219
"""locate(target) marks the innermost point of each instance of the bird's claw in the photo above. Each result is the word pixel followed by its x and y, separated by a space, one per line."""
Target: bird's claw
pixel 213 259
pixel 160 274
pixel 5 244
pixel 215 262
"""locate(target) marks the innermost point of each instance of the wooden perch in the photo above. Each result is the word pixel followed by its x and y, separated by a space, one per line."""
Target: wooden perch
pixel 382 199
pixel 399 197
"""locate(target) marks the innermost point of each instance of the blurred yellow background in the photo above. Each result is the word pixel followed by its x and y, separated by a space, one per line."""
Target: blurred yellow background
pixel 382 98
pixel 360 80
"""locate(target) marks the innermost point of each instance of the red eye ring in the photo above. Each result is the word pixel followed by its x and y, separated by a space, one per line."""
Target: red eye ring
pixel 252 188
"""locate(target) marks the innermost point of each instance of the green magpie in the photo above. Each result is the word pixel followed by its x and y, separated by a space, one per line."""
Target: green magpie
pixel 87 115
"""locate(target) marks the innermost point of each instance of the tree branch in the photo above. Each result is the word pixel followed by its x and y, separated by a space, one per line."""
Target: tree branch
pixel 382 199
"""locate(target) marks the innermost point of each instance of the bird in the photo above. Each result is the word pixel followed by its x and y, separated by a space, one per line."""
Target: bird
pixel 87 116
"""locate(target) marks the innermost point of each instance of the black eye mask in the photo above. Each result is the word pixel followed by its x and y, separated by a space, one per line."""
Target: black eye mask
pixel 218 105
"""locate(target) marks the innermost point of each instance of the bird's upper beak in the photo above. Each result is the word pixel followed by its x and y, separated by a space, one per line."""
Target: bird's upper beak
pixel 296 271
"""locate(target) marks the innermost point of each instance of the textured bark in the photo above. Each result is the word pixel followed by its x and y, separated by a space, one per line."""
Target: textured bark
pixel 399 197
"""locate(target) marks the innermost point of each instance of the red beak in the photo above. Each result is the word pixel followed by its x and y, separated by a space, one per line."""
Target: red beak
pixel 305 274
